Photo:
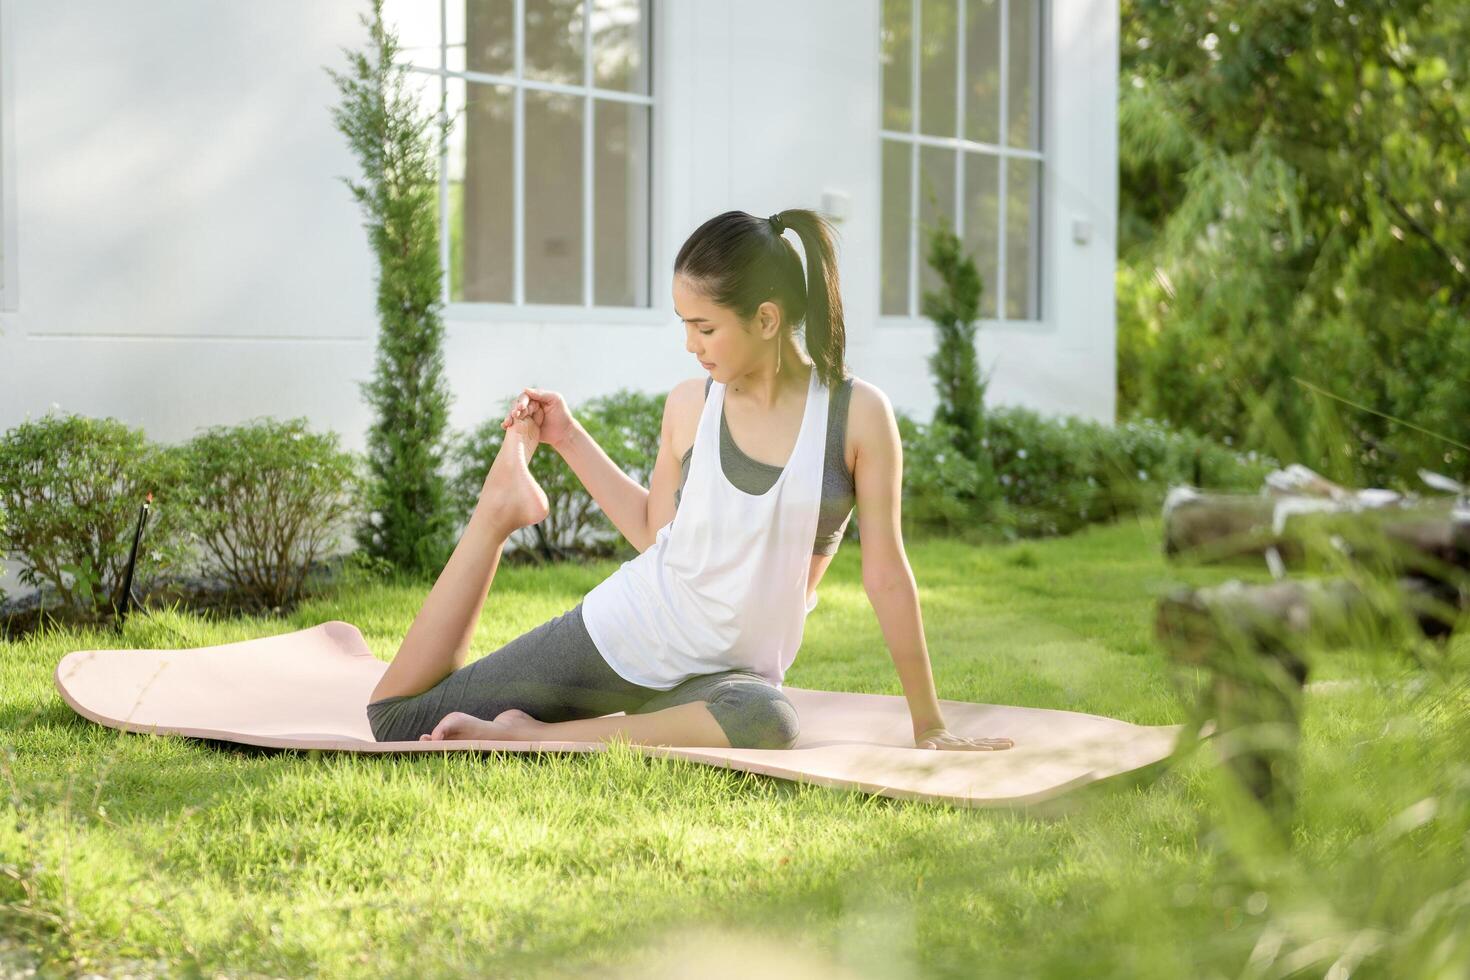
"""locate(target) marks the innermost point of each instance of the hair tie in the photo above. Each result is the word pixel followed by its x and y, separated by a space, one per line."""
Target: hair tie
pixel 776 224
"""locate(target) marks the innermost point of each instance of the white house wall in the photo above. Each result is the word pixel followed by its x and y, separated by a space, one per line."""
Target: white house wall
pixel 187 255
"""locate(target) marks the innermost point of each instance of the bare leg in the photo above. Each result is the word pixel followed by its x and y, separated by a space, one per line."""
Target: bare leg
pixel 438 642
pixel 688 724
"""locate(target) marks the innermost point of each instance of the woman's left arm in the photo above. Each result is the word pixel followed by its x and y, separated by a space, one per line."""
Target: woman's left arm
pixel 887 577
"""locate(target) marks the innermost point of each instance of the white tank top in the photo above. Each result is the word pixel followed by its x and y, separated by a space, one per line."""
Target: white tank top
pixel 723 586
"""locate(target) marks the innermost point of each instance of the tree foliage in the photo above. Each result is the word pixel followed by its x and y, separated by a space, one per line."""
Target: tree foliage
pixel 410 520
pixel 1291 173
pixel 954 309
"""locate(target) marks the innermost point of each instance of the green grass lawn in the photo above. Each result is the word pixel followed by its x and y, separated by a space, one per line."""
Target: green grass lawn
pixel 129 853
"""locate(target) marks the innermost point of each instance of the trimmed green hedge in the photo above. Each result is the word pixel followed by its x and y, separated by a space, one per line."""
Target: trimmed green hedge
pixel 254 504
pixel 265 500
pixel 1051 476
pixel 70 489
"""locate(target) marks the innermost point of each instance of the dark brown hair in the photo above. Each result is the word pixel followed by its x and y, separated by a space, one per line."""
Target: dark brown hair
pixel 739 261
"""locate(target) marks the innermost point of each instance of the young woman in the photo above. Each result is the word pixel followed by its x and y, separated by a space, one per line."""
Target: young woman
pixel 763 462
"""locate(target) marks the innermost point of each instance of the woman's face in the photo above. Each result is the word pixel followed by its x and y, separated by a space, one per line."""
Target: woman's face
pixel 724 346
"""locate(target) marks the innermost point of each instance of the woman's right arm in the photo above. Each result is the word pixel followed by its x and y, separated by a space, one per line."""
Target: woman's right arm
pixel 638 513
pixel 621 498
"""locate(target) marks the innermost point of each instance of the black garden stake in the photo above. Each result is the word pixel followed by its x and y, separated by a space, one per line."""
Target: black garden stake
pixel 127 587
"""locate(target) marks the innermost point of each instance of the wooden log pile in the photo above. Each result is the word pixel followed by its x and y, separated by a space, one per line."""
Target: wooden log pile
pixel 1398 570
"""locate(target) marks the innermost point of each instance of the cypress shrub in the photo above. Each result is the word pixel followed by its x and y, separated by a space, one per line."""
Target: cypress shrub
pixel 410 521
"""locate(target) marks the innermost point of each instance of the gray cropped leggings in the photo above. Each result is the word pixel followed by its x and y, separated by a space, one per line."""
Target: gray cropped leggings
pixel 555 673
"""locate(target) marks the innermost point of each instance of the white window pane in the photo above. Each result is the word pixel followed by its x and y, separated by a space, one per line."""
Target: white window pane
pixel 897 57
pixel 416 25
pixel 1023 74
pixel 938 61
pixel 481 184
pixel 554 41
pixel 936 206
pixel 897 166
pixel 982 71
pixel 620 170
pixel 553 209
pixel 423 88
pixel 620 45
pixel 982 224
pixel 481 35
pixel 1023 239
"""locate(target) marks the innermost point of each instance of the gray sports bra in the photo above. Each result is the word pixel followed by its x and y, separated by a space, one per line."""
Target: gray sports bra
pixel 839 493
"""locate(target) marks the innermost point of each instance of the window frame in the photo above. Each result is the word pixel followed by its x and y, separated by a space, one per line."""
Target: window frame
pixel 9 287
pixel 518 309
pixel 1003 153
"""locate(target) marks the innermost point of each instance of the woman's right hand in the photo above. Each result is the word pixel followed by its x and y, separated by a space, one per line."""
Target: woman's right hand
pixel 549 410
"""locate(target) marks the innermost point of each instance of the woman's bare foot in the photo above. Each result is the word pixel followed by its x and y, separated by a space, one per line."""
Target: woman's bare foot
pixel 512 725
pixel 509 487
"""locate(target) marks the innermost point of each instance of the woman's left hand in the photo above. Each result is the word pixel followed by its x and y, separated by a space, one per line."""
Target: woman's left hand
pixel 943 738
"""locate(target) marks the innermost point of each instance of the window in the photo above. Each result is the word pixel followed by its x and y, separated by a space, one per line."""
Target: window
pixel 545 180
pixel 961 140
pixel 8 293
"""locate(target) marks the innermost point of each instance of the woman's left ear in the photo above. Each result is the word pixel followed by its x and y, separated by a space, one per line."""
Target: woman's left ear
pixel 770 318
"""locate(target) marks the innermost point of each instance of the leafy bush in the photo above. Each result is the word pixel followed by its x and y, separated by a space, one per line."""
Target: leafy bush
pixel 2 552
pixel 1054 476
pixel 70 489
pixel 940 484
pixel 626 424
pixel 266 499
pixel 1051 476
pixel 1285 250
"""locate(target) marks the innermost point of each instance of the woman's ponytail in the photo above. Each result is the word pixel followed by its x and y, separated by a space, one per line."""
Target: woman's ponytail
pixel 740 261
pixel 826 333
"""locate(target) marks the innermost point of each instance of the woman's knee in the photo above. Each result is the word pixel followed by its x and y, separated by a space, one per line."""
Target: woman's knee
pixel 755 715
pixel 390 722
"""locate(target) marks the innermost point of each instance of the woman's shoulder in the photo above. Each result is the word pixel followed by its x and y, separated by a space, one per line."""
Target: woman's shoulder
pixel 866 399
pixel 870 414
pixel 684 405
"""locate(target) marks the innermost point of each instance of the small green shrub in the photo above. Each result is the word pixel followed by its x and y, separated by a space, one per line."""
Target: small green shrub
pixel 1055 475
pixel 2 552
pixel 1051 476
pixel 626 424
pixel 70 489
pixel 954 309
pixel 266 499
pixel 940 483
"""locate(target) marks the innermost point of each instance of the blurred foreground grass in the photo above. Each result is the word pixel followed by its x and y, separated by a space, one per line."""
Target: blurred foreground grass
pixel 127 853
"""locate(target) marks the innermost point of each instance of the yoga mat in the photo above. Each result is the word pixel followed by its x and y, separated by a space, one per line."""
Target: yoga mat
pixel 308 690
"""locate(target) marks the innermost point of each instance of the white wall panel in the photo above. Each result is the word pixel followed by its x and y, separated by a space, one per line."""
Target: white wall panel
pixel 187 255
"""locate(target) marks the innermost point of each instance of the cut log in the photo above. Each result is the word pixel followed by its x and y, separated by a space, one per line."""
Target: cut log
pixel 1218 626
pixel 1429 538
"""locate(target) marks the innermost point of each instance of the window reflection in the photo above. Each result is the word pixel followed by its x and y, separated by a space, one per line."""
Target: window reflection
pixel 566 42
pixel 976 132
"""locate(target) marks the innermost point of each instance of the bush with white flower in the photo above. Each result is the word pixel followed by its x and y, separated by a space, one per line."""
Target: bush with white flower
pixel 1055 475
pixel 941 487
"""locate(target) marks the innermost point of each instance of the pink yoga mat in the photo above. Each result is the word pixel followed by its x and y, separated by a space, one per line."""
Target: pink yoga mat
pixel 308 689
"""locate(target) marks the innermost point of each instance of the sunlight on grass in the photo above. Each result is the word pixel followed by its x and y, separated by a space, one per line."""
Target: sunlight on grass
pixel 121 848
